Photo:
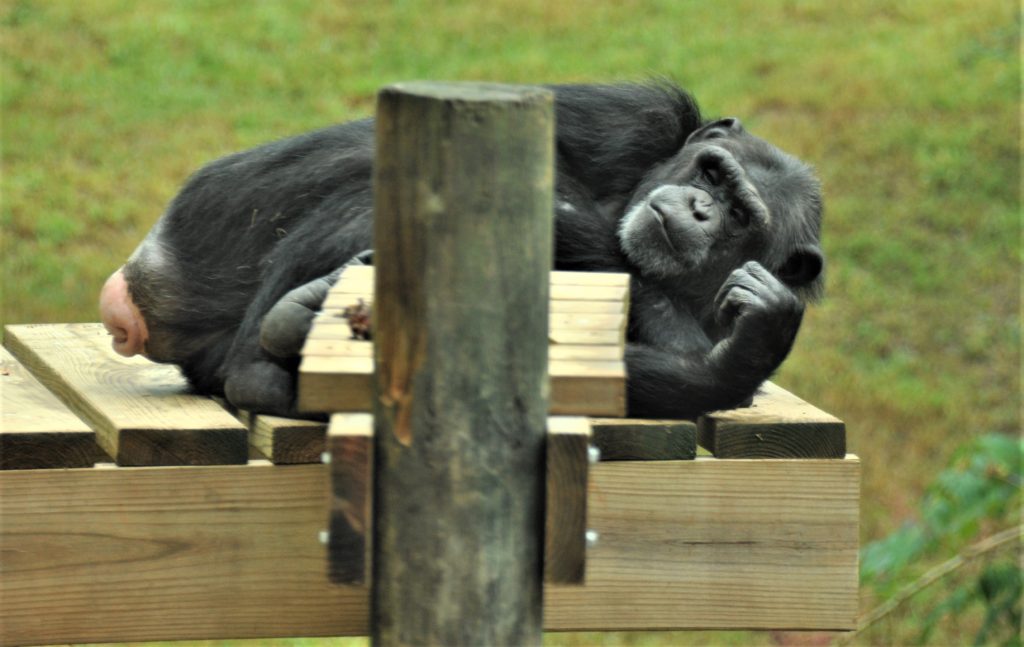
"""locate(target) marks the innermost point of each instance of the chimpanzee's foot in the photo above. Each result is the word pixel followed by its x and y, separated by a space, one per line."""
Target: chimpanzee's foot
pixel 262 387
pixel 286 325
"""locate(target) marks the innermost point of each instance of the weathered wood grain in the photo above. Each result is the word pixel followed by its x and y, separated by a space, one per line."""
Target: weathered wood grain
pixel 565 510
pixel 349 549
pixel 139 554
pixel 777 425
pixel 462 240
pixel 142 412
pixel 363 276
pixel 358 348
pixel 718 544
pixel 578 387
pixel 624 439
pixel 328 328
pixel 284 441
pixel 36 430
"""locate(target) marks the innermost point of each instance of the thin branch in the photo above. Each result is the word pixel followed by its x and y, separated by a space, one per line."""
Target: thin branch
pixel 933 575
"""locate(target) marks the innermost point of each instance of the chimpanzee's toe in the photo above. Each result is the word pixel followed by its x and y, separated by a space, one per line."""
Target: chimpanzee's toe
pixel 364 257
pixel 261 387
pixel 285 327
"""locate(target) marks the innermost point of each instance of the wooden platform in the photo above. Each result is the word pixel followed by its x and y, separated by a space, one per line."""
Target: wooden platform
pixel 232 551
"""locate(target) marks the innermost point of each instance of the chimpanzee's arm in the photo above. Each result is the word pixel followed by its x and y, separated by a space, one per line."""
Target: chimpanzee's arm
pixel 676 371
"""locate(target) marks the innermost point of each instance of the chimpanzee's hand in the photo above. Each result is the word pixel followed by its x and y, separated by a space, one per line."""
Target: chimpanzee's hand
pixel 763 313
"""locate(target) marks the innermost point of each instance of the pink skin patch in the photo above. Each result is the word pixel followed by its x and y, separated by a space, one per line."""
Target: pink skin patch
pixel 121 317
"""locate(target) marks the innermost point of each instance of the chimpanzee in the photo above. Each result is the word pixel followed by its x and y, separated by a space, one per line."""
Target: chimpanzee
pixel 718 229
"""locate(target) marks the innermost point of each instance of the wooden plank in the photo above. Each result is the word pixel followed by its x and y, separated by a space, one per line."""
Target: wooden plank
pixel 363 275
pixel 337 301
pixel 777 425
pixel 356 348
pixel 718 544
pixel 345 293
pixel 349 544
pixel 624 439
pixel 127 554
pixel 345 384
pixel 338 329
pixel 332 384
pixel 142 412
pixel 36 430
pixel 231 552
pixel 565 510
pixel 285 441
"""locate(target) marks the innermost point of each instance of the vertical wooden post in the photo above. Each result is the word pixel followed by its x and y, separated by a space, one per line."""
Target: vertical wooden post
pixel 463 208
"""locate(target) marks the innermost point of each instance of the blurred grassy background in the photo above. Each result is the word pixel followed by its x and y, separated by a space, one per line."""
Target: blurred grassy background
pixel 909 111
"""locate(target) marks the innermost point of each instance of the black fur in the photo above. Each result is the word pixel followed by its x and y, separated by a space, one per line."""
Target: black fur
pixel 718 229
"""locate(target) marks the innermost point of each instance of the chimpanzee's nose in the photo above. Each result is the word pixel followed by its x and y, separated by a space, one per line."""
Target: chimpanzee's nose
pixel 701 205
pixel 121 317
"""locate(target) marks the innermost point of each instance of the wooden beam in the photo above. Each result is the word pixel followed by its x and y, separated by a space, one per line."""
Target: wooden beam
pixel 36 430
pixel 350 522
pixel 189 553
pixel 463 242
pixel 350 456
pixel 777 425
pixel 142 412
pixel 635 439
pixel 285 441
pixel 565 510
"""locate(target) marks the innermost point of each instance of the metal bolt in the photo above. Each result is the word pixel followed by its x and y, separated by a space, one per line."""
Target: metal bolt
pixel 592 538
pixel 325 458
pixel 593 454
pixel 324 537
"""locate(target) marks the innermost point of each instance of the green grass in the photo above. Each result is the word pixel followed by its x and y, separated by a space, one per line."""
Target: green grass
pixel 909 110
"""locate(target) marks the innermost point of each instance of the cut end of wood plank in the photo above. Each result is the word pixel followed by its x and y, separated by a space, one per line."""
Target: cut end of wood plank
pixel 36 430
pixel 350 522
pixel 634 439
pixel 776 425
pixel 468 92
pixel 565 523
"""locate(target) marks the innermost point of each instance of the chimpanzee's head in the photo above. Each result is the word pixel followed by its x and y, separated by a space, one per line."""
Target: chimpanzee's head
pixel 726 198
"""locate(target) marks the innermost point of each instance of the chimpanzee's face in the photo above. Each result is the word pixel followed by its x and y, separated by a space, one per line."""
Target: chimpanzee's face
pixel 726 198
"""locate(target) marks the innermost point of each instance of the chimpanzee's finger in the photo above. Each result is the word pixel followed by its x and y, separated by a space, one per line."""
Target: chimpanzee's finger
pixel 734 302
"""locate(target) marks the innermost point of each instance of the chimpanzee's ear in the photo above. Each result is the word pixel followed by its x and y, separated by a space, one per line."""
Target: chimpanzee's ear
pixel 728 127
pixel 803 267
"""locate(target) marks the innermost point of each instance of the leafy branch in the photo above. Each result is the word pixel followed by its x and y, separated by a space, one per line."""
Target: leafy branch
pixel 987 545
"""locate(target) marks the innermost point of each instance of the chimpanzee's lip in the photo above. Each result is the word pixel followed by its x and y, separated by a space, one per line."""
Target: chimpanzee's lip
pixel 663 226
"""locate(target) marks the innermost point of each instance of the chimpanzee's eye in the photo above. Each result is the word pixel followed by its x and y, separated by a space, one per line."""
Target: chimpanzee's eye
pixel 712 174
